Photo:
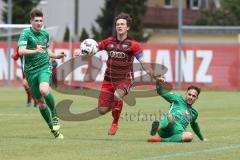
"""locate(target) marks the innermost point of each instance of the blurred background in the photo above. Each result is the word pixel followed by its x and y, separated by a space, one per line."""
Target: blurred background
pixel 197 40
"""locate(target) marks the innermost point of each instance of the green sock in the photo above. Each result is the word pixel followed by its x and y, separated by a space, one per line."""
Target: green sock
pixel 174 138
pixel 47 116
pixel 51 104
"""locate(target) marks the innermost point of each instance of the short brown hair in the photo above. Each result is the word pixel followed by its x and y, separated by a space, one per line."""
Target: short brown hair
pixel 195 88
pixel 36 13
pixel 125 16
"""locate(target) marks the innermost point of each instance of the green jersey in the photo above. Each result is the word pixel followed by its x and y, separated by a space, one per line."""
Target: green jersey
pixel 182 112
pixel 36 62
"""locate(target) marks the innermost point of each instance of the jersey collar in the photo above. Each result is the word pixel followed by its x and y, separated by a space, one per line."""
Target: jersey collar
pixel 34 31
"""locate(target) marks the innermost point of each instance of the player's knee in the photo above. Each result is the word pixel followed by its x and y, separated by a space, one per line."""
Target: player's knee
pixel 44 88
pixel 44 92
pixel 41 104
pixel 187 137
pixel 103 110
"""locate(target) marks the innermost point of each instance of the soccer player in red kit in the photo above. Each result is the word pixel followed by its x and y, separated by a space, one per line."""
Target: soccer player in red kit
pixel 16 56
pixel 118 77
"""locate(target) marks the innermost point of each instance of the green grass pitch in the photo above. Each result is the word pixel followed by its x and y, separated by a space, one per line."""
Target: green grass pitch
pixel 25 136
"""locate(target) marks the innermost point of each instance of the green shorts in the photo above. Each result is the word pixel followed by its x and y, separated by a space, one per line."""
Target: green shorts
pixel 169 130
pixel 35 79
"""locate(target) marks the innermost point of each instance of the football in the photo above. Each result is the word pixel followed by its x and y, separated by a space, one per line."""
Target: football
pixel 89 47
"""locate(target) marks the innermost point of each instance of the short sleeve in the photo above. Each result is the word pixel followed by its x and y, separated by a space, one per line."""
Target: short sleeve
pixel 101 45
pixel 23 39
pixel 136 49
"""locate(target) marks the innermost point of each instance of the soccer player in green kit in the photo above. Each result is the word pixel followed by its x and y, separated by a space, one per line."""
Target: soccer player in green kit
pixel 33 46
pixel 172 127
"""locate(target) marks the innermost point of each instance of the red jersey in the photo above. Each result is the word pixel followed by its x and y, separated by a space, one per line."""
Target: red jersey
pixel 120 58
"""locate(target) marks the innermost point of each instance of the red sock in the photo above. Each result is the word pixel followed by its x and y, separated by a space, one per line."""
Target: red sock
pixel 116 111
pixel 27 91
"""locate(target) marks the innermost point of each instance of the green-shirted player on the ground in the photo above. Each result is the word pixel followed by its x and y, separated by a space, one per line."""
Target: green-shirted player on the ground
pixel 172 127
pixel 33 46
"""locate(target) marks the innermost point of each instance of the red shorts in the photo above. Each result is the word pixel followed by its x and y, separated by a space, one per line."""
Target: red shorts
pixel 106 97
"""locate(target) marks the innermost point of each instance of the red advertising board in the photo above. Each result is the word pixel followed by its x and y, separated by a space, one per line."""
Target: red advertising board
pixel 209 66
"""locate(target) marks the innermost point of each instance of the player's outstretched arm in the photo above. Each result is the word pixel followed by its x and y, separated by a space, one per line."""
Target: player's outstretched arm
pixel 22 50
pixel 164 89
pixel 149 70
pixel 56 55
pixel 196 129
pixel 78 52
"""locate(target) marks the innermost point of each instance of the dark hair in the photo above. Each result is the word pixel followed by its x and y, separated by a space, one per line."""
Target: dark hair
pixel 36 13
pixel 125 16
pixel 195 88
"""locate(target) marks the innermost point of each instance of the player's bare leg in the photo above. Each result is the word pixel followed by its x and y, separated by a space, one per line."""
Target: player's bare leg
pixel 187 137
pixel 103 110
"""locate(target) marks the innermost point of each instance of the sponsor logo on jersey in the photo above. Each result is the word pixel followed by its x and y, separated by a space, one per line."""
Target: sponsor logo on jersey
pixel 125 46
pixel 44 39
pixel 115 54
